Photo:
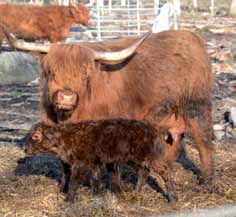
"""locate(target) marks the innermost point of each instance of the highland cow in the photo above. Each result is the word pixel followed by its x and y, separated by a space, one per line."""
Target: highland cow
pixel 163 78
pixel 94 144
pixel 41 22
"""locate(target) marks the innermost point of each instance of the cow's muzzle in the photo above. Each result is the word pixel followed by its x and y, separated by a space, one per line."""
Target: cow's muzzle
pixel 65 100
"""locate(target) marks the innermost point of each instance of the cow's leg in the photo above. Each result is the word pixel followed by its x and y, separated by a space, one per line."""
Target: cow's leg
pixel 142 178
pixel 200 128
pixel 163 170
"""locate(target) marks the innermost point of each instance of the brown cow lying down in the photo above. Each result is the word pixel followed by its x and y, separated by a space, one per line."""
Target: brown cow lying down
pixel 41 22
pixel 158 77
pixel 97 143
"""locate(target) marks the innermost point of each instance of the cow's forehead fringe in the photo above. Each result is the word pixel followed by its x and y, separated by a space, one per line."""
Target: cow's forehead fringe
pixel 72 59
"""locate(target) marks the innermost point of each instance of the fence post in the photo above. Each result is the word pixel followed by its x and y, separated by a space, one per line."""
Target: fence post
pixel 98 22
pixel 123 2
pixel 232 11
pixel 156 6
pixel 212 7
pixel 110 5
pixel 138 17
pixel 177 12
pixel 128 10
pixel 195 5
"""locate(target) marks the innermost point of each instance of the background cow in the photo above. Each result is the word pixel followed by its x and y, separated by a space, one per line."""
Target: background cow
pixel 41 22
pixel 166 80
pixel 96 143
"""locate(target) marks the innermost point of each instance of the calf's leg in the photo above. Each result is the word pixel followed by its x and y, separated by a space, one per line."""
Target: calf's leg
pixel 65 179
pixel 114 177
pixel 95 179
pixel 74 183
pixel 164 171
pixel 142 178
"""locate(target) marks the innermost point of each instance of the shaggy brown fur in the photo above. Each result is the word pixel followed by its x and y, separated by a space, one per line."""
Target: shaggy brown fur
pixel 41 22
pixel 167 80
pixel 97 143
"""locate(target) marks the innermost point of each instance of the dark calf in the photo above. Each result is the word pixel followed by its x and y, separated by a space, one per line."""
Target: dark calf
pixel 93 144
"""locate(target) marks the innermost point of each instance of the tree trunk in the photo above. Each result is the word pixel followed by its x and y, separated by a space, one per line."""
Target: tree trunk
pixel 232 11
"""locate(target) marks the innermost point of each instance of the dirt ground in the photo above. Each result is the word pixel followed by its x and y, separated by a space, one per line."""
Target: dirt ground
pixel 29 186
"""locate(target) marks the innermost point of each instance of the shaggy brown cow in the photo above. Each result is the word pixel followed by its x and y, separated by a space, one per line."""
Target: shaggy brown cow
pixel 96 143
pixel 41 22
pixel 166 80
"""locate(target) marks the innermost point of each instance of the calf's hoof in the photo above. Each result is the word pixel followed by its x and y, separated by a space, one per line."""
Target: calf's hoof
pixel 205 180
pixel 70 197
pixel 114 188
pixel 171 197
pixel 64 188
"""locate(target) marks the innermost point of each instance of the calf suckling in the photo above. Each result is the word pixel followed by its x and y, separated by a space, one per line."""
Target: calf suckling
pixel 94 144
pixel 154 77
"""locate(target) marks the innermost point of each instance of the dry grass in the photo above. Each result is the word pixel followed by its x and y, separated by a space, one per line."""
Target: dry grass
pixel 25 194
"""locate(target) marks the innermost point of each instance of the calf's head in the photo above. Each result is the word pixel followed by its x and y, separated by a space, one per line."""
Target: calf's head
pixel 41 139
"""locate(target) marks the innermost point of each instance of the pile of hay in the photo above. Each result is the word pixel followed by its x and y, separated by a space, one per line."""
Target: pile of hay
pixel 29 187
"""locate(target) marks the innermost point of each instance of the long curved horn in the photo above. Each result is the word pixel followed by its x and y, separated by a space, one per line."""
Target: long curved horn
pixel 119 56
pixel 20 44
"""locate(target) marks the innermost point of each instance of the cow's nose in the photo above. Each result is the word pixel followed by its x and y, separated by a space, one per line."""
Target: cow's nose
pixel 66 97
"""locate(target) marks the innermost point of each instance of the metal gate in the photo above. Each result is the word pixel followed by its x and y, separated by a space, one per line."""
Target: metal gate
pixel 112 21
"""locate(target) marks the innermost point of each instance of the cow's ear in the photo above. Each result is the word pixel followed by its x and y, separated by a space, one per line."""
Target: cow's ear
pixel 174 135
pixel 37 136
pixel 38 55
pixel 169 139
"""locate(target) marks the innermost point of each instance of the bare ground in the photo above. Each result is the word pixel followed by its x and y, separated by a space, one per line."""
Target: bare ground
pixel 29 186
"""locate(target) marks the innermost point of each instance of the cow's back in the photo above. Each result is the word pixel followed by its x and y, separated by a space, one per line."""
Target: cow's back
pixel 171 66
